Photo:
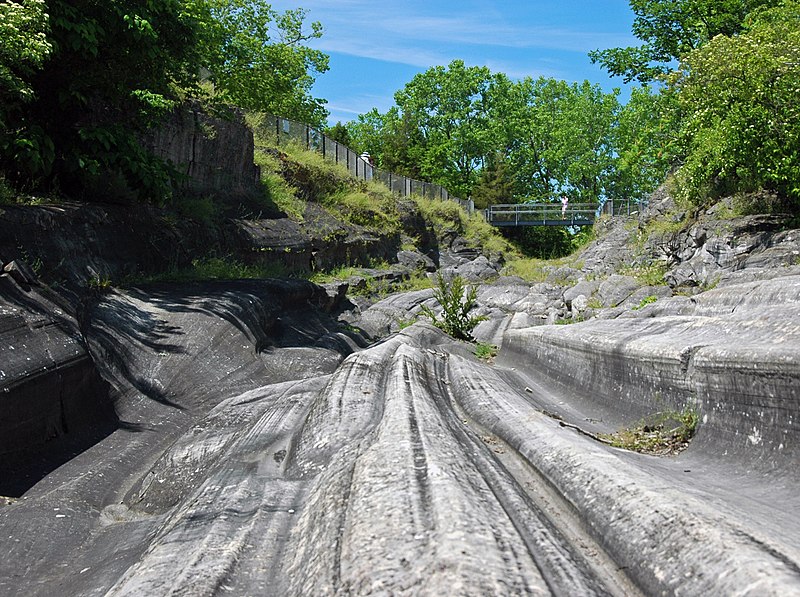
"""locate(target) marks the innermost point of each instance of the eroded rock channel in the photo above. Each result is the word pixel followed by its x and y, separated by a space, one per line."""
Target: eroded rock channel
pixel 239 438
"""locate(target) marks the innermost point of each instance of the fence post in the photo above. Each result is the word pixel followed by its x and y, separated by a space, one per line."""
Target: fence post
pixel 277 130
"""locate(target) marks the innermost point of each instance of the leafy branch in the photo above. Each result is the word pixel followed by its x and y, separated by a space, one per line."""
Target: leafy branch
pixel 456 299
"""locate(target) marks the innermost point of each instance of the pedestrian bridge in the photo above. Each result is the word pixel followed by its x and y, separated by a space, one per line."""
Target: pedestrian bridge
pixel 541 214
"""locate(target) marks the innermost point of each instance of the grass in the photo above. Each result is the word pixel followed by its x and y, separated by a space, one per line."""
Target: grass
pixel 372 287
pixel 667 432
pixel 594 303
pixel 277 190
pixel 99 284
pixel 449 216
pixel 371 210
pixel 214 268
pixel 648 275
pixel 367 204
pixel 485 352
pixel 486 236
pixel 570 320
pixel 9 196
pixel 202 209
pixel 530 270
pixel 646 301
pixel 405 323
pixel 443 215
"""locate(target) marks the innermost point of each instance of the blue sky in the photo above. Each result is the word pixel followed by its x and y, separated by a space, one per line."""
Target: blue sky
pixel 376 47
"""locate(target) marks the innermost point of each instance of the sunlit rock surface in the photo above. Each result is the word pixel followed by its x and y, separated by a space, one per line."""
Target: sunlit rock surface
pixel 249 458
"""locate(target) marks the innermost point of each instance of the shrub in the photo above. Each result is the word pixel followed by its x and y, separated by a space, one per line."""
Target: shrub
pixel 738 98
pixel 646 301
pixel 457 300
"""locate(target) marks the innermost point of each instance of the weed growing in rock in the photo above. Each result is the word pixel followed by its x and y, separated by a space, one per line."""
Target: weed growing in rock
pixel 594 303
pixel 456 299
pixel 405 323
pixel 485 352
pixel 99 284
pixel 570 320
pixel 667 432
pixel 647 275
pixel 646 301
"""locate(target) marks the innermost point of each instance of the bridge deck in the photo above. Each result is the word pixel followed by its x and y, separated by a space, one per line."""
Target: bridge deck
pixel 540 214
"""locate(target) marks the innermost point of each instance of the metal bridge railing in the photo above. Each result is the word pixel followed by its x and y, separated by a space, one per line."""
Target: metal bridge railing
pixel 541 214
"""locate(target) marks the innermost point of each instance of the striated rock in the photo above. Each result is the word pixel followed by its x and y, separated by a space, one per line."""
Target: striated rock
pixel 476 270
pixel 49 385
pixel 616 289
pixel 585 288
pixel 22 273
pixel 728 351
pixel 74 242
pixel 415 260
pixel 215 154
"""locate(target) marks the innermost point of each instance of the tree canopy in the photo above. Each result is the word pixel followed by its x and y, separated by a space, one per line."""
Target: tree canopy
pixel 483 135
pixel 670 29
pixel 722 115
pixel 738 98
pixel 80 79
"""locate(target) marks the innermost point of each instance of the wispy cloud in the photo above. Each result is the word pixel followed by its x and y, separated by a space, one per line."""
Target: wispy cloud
pixel 402 34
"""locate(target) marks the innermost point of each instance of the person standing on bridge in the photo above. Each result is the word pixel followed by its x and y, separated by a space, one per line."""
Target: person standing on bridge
pixel 564 203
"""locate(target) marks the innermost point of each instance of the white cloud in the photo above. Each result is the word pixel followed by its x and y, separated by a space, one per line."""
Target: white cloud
pixel 417 36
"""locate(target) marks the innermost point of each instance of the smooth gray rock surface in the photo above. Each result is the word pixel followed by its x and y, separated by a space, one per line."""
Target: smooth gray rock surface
pixel 257 446
pixel 408 470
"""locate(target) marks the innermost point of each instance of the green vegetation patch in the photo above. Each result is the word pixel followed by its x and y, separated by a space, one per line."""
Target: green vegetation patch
pixel 214 268
pixel 366 209
pixel 457 300
pixel 648 300
pixel 647 274
pixel 531 270
pixel 664 433
pixel 485 352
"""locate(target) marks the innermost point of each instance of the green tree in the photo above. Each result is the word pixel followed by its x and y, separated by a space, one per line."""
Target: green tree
pixel 670 29
pixel 739 102
pixel 393 139
pixel 339 133
pixel 542 242
pixel 256 58
pixel 23 49
pixel 558 137
pixel 644 142
pixel 496 183
pixel 449 107
pixel 109 75
pixel 76 101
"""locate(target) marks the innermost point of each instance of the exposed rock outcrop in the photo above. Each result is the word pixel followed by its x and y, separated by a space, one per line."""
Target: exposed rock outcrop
pixel 214 154
pixel 258 446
